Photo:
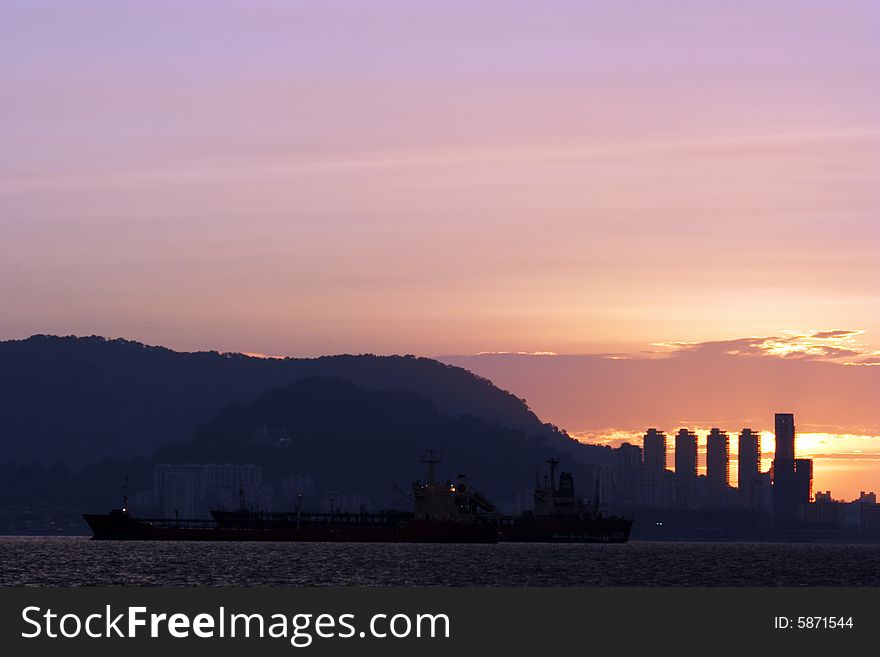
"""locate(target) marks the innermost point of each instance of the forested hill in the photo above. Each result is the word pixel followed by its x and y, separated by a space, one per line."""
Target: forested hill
pixel 75 400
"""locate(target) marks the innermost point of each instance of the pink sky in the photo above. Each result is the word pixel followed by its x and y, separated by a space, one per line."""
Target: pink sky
pixel 309 178
pixel 436 178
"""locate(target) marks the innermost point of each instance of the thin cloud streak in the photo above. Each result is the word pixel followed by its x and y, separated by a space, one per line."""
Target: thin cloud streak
pixel 262 167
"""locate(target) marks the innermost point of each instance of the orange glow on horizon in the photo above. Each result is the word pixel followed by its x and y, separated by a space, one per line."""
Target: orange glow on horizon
pixel 845 464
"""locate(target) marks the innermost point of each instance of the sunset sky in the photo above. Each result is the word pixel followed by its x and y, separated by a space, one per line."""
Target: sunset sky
pixel 631 179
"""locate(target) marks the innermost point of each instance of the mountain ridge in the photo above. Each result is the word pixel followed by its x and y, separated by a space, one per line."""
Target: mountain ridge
pixel 340 436
pixel 76 400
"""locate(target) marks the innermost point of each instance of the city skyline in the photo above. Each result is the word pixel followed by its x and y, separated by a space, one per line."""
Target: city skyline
pixel 764 452
pixel 643 478
pixel 611 398
pixel 710 507
pixel 847 489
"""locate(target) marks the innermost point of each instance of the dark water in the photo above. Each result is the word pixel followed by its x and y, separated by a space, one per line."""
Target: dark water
pixel 41 561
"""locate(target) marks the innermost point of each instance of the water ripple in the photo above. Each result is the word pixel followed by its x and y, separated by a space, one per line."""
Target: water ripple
pixel 72 561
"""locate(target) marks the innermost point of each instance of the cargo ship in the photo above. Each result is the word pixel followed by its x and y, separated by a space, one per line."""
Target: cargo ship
pixel 559 516
pixel 454 512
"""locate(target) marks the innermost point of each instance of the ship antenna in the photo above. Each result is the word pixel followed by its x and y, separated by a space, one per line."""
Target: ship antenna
pixel 431 459
pixel 125 494
pixel 553 463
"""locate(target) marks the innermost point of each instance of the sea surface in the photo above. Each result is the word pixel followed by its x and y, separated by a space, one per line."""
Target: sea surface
pixel 78 561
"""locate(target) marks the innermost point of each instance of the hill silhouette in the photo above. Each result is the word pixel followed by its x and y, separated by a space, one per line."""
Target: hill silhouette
pixel 344 436
pixel 363 440
pixel 76 400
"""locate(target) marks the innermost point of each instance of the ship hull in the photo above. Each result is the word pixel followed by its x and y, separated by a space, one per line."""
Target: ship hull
pixel 565 530
pixel 118 527
pixel 126 528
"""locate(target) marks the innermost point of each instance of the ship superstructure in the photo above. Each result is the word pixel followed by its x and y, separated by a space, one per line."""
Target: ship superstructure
pixel 560 516
pixel 456 501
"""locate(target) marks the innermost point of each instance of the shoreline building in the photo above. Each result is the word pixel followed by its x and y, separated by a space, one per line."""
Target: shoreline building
pixel 654 443
pixel 656 487
pixel 188 490
pixel 685 468
pixel 627 465
pixel 785 432
pixel 717 467
pixel 749 466
pixel 792 477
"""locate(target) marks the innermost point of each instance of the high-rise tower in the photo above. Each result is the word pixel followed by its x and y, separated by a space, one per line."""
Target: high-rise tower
pixel 786 485
pixel 685 468
pixel 717 466
pixel 654 443
pixel 749 466
pixel 785 436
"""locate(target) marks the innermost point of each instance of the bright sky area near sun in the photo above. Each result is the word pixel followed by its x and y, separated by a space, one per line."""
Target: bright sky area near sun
pixel 446 178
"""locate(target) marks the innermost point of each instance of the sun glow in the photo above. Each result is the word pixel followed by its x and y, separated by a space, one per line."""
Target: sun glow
pixel 844 463
pixel 815 344
pixel 832 345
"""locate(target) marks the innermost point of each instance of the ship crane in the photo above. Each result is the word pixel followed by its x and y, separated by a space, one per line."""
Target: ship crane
pixel 481 501
pixel 397 489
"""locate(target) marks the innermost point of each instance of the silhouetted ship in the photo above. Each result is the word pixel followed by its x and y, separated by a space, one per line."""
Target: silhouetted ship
pixel 443 513
pixel 454 512
pixel 560 516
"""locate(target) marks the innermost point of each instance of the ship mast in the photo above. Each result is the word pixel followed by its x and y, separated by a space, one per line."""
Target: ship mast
pixel 431 459
pixel 594 508
pixel 553 463
pixel 125 495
